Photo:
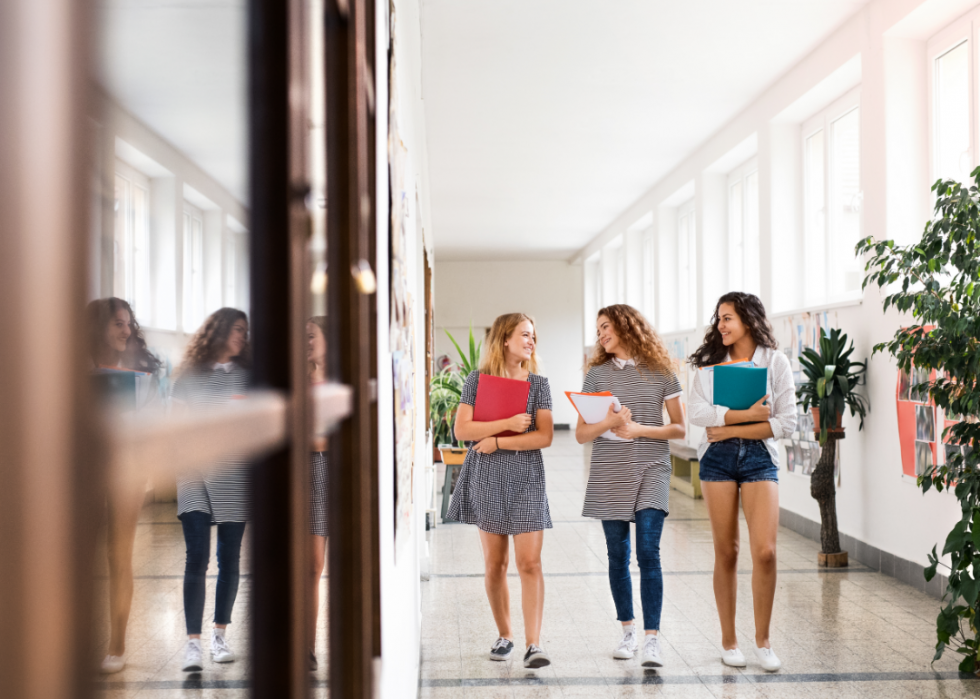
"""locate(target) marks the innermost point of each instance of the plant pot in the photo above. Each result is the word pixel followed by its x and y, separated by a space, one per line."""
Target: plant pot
pixel 453 456
pixel 436 454
pixel 836 430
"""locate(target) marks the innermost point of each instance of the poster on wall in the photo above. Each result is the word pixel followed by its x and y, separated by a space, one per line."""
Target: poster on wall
pixel 401 330
pixel 795 334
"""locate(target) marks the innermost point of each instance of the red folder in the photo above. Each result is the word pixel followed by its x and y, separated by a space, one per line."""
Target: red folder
pixel 498 398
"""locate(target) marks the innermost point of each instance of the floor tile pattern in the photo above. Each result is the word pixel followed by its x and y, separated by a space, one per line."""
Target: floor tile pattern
pixel 840 633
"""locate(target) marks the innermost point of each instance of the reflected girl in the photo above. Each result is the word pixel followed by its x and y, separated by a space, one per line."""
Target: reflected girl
pixel 116 344
pixel 215 370
pixel 316 354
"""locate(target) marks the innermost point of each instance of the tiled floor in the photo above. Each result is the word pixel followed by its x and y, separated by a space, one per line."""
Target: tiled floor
pixel 157 635
pixel 850 633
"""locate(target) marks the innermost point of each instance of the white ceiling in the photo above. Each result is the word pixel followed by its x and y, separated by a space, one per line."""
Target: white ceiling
pixel 546 118
pixel 179 67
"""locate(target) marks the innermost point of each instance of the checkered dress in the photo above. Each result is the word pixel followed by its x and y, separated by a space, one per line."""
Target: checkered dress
pixel 504 492
pixel 319 487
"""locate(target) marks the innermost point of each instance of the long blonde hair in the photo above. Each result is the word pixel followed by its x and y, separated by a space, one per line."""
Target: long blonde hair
pixel 637 337
pixel 494 360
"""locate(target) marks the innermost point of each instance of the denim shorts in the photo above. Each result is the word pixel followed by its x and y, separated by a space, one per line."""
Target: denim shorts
pixel 739 460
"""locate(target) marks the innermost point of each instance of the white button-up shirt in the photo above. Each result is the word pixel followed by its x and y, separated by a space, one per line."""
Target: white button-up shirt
pixel 782 399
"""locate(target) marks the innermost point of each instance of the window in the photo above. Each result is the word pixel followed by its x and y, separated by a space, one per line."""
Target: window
pixel 648 278
pixel 131 243
pixel 687 271
pixel 832 200
pixel 193 268
pixel 952 76
pixel 743 228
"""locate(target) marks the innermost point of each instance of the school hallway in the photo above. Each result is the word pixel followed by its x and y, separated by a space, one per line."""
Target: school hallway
pixel 846 632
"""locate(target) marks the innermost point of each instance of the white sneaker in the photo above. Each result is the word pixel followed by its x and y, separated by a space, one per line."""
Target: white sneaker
pixel 112 664
pixel 627 647
pixel 768 659
pixel 221 652
pixel 733 657
pixel 651 652
pixel 193 656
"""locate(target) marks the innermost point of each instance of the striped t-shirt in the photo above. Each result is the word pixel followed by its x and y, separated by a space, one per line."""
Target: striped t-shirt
pixel 629 476
pixel 224 489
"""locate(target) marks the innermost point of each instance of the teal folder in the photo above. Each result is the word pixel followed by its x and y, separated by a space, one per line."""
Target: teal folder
pixel 739 387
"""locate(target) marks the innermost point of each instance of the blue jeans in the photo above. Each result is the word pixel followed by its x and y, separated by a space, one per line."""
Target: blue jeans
pixel 738 460
pixel 197 538
pixel 649 527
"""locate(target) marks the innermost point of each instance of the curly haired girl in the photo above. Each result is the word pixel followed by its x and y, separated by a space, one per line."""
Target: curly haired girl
pixel 629 480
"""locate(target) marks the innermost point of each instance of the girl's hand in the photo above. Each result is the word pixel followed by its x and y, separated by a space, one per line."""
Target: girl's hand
pixel 759 412
pixel 487 445
pixel 631 430
pixel 519 423
pixel 717 434
pixel 616 420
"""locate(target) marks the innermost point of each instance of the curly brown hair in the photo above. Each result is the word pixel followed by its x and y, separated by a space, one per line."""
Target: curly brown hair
pixel 211 339
pixel 752 314
pixel 638 338
pixel 137 356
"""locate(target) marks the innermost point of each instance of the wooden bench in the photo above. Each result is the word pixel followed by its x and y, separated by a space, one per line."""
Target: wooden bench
pixel 685 470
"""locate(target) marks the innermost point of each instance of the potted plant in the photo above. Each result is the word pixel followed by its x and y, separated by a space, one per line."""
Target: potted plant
pixel 831 378
pixel 446 390
pixel 938 281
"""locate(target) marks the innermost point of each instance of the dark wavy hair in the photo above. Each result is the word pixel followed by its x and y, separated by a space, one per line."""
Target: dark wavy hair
pixel 137 356
pixel 211 339
pixel 752 314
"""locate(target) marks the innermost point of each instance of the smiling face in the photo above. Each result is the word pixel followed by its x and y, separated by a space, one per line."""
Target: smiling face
pixel 236 338
pixel 118 332
pixel 606 333
pixel 520 344
pixel 316 344
pixel 730 325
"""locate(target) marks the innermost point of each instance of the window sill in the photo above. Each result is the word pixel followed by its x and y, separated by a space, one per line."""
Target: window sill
pixel 818 308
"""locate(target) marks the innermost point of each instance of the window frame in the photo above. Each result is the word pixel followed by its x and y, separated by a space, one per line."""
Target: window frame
pixel 135 258
pixel 965 29
pixel 740 176
pixel 190 321
pixel 824 121
pixel 687 210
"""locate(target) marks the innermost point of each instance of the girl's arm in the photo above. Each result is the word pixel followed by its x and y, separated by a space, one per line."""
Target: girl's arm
pixel 538 439
pixel 584 432
pixel 758 430
pixel 702 412
pixel 675 430
pixel 468 430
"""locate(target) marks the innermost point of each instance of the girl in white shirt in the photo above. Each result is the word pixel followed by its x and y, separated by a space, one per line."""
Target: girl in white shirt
pixel 738 453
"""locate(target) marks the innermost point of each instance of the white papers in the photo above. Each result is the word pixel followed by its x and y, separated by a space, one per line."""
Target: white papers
pixel 593 409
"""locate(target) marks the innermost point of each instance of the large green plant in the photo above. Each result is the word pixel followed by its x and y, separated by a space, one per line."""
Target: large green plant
pixel 940 286
pixel 446 390
pixel 831 378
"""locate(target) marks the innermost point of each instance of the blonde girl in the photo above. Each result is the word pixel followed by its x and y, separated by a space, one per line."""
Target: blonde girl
pixel 501 487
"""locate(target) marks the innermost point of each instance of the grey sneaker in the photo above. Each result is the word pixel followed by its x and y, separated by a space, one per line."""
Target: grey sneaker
pixel 193 656
pixel 651 652
pixel 536 657
pixel 502 648
pixel 627 647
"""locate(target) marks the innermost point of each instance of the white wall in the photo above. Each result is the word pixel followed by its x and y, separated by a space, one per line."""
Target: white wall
pixel 882 48
pixel 401 561
pixel 550 292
